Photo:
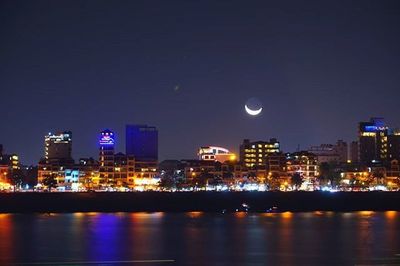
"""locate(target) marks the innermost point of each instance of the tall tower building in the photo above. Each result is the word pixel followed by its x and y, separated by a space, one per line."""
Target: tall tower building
pixel 57 156
pixel 142 142
pixel 372 140
pixel 106 156
pixel 58 147
pixel 394 145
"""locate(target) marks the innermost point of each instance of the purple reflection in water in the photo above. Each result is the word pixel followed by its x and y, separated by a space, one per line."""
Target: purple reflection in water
pixel 202 239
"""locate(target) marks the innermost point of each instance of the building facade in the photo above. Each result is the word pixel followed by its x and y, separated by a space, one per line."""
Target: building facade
pixel 377 142
pixel 276 164
pixel 57 157
pixel 372 139
pixel 331 153
pixel 106 156
pixel 354 152
pixel 393 146
pixel 142 142
pixel 304 163
pixel 89 175
pixel 124 170
pixel 254 154
pixel 214 153
pixel 58 147
pixel 342 150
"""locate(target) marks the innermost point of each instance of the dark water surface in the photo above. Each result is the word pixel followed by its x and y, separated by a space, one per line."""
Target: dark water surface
pixel 315 238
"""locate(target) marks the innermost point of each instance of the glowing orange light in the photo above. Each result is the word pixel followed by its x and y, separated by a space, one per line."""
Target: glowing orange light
pixel 240 214
pixel 391 214
pixel 287 215
pixel 366 213
pixel 195 214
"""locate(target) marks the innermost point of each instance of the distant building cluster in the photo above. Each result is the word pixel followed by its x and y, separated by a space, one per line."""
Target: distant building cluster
pixel 136 168
pixel 369 163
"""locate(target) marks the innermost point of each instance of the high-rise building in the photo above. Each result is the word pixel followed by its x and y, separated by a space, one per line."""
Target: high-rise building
pixel 106 156
pixel 394 145
pixel 142 142
pixel 254 154
pixel 58 147
pixel 372 140
pixel 58 157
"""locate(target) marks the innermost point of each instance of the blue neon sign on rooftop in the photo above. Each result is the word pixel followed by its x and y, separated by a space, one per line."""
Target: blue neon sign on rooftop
pixel 107 138
pixel 370 128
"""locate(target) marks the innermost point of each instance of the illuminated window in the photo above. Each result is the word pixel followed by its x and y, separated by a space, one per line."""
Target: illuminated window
pixel 368 134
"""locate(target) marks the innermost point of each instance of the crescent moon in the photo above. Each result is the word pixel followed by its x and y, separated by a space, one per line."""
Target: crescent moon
pixel 252 112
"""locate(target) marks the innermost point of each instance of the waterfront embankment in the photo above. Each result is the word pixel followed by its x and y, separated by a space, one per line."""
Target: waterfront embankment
pixel 198 201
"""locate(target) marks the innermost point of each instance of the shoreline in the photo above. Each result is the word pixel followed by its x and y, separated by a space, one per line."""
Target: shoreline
pixel 212 202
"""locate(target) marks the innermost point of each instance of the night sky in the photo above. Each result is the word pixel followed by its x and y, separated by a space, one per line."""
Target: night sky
pixel 188 67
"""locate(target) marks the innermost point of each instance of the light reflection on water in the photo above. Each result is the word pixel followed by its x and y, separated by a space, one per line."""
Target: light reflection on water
pixel 198 238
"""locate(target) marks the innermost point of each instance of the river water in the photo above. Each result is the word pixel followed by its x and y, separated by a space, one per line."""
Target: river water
pixel 315 238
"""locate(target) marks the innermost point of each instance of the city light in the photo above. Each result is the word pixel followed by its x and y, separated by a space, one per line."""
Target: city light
pixel 261 166
pixel 200 133
pixel 107 139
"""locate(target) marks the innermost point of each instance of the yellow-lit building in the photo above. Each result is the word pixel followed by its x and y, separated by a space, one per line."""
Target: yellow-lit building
pixel 304 163
pixel 89 176
pixel 255 154
pixel 350 177
pixel 51 170
pixel 4 173
pixel 9 164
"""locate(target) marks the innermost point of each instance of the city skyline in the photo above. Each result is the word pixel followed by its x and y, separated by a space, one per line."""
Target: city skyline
pixel 189 69
pixel 261 165
pixel 236 149
pixel 208 132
